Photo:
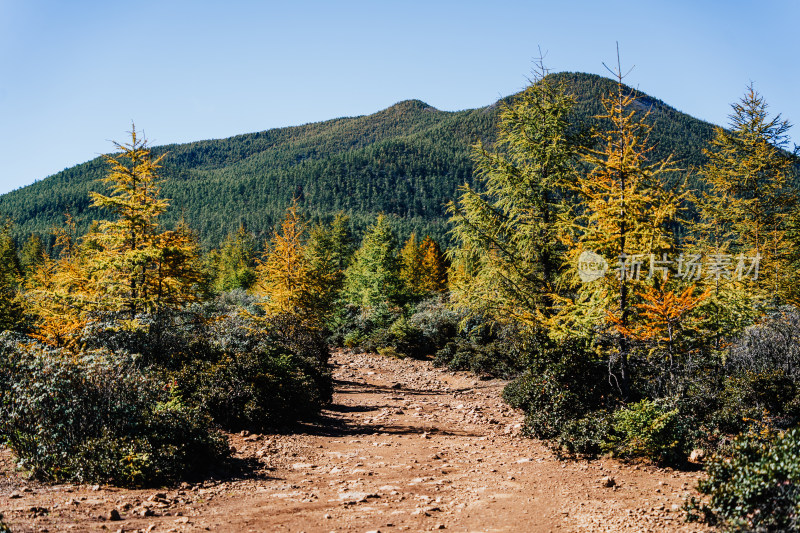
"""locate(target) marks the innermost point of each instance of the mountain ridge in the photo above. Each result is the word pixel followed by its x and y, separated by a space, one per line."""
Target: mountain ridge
pixel 406 160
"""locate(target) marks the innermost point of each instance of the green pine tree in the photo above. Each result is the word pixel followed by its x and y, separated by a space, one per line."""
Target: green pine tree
pixel 234 264
pixel 752 200
pixel 508 260
pixel 10 277
pixel 374 275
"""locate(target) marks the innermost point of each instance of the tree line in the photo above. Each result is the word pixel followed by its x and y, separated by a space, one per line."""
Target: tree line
pixel 406 162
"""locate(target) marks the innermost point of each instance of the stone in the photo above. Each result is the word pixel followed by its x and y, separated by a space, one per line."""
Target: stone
pixel 114 516
pixel 608 482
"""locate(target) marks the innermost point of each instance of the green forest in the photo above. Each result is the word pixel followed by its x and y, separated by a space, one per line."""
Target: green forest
pixel 406 161
pixel 631 270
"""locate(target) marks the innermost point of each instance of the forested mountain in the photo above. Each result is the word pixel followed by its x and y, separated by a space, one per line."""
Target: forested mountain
pixel 406 161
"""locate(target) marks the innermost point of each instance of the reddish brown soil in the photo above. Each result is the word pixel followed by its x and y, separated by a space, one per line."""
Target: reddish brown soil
pixel 403 447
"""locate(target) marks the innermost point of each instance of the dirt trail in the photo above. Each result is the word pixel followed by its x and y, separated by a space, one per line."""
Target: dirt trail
pixel 403 447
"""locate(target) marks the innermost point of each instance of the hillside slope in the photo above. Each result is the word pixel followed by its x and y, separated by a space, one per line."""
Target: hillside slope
pixel 407 160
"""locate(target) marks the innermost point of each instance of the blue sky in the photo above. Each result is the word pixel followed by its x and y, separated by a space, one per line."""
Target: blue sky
pixel 76 73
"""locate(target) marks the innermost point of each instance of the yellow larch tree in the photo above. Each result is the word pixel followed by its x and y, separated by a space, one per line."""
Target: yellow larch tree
pixel 624 216
pixel 138 267
pixel 434 267
pixel 285 275
pixel 122 267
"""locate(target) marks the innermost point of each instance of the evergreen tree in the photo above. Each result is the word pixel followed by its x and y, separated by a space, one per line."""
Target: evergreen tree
pixel 752 195
pixel 32 254
pixel 374 275
pixel 59 294
pixel 509 255
pixel 329 250
pixel 10 309
pixel 234 264
pixel 434 267
pixel 412 267
pixel 136 267
pixel 625 215
pixel 125 266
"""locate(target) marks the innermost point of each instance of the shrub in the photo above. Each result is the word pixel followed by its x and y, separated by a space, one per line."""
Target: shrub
pixel 436 322
pixel 648 429
pixel 261 373
pixel 254 390
pixel 3 527
pixel 390 351
pixel 364 329
pixel 773 344
pixel 416 331
pixel 96 417
pixel 755 486
pixel 485 347
pixel 564 394
pixel 243 369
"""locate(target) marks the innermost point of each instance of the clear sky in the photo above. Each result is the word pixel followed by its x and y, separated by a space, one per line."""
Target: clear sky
pixel 75 73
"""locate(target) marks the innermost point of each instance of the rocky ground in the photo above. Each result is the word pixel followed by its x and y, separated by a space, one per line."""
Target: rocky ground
pixel 403 447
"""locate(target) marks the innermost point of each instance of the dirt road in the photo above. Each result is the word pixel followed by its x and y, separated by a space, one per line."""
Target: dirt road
pixel 403 447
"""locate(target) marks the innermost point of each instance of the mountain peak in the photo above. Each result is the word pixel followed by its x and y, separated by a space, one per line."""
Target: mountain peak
pixel 407 106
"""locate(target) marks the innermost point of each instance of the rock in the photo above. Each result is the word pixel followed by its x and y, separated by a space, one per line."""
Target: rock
pixel 14 495
pixel 608 482
pixel 355 496
pixel 157 496
pixel 114 516
pixel 698 455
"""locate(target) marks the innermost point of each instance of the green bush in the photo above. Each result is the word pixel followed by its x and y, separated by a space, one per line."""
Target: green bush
pixel 414 331
pixel 253 390
pixel 768 395
pixel 243 369
pixel 647 429
pixel 755 485
pixel 564 394
pixel 484 347
pixel 96 417
pixel 258 372
pixel 3 527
